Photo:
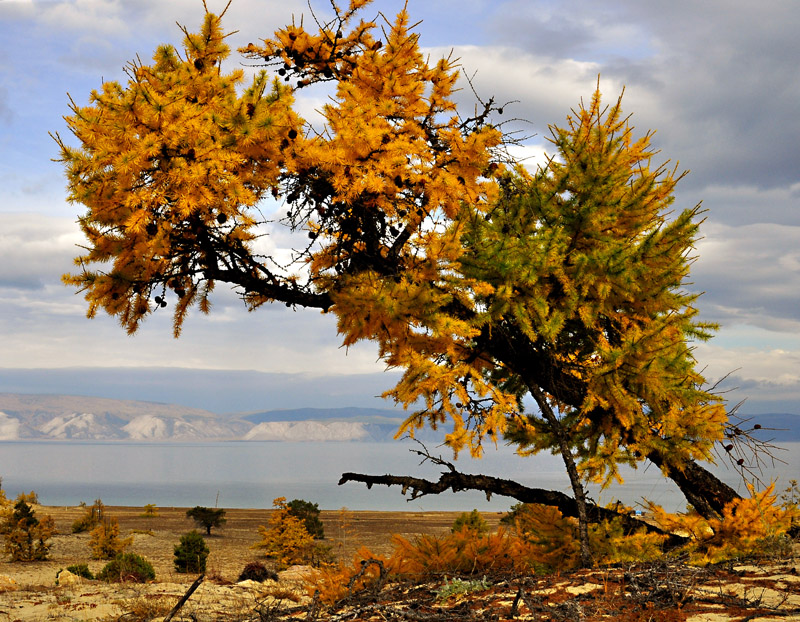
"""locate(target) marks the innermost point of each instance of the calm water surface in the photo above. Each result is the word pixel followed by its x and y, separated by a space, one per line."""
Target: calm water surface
pixel 252 474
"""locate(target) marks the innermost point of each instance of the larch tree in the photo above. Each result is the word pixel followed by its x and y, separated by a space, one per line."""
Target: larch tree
pixel 484 284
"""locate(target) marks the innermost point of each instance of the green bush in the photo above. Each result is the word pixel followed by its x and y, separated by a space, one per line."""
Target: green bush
pixel 191 553
pixel 472 521
pixel 256 571
pixel 81 570
pixel 309 513
pixel 127 568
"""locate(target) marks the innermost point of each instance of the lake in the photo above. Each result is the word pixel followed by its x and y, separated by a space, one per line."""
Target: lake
pixel 252 474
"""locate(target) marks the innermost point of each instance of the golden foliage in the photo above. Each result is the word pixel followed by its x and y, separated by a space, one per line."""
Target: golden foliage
pixel 748 527
pixel 104 539
pixel 334 582
pixel 286 539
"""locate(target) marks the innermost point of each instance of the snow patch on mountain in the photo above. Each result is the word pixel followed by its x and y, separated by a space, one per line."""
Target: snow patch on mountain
pixel 9 427
pixel 307 431
pixel 79 426
pixel 146 427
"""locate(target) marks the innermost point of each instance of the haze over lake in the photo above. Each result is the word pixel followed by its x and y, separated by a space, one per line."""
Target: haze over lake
pixel 252 474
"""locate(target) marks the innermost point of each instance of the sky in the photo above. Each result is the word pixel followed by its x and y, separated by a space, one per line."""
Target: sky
pixel 718 80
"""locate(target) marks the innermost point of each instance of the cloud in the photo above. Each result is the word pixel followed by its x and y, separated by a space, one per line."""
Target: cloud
pixel 750 275
pixel 719 80
pixel 35 250
pixel 747 204
pixel 765 376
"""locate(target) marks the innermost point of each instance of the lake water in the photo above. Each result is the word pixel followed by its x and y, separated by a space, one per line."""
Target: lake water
pixel 252 474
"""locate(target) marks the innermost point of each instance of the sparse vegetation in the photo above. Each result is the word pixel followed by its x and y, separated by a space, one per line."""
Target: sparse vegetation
pixel 191 553
pixel 92 517
pixel 127 568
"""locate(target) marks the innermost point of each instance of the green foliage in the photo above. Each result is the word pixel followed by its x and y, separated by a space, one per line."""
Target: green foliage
pixel 309 513
pixel 256 571
pixel 127 568
pixel 472 521
pixel 207 517
pixel 26 537
pixel 459 587
pixel 91 518
pixel 81 570
pixel 191 553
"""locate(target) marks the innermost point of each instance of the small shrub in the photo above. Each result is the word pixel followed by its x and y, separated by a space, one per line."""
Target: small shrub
pixel 472 521
pixel 93 516
pixel 256 571
pixel 147 607
pixel 127 568
pixel 105 541
pixel 458 587
pixel 81 570
pixel 191 553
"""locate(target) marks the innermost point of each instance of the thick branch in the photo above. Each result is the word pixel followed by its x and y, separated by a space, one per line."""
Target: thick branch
pixel 455 481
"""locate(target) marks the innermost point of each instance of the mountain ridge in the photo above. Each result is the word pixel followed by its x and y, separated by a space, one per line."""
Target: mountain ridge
pixel 31 417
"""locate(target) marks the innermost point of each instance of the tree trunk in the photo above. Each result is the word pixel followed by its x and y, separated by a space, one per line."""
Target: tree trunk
pixel 705 492
pixel 574 477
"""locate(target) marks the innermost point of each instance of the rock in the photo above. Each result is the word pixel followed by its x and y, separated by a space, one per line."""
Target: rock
pixel 65 577
pixel 7 584
pixel 296 573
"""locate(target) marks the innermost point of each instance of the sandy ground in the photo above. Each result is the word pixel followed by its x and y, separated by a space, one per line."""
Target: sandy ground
pixel 28 591
pixel 32 593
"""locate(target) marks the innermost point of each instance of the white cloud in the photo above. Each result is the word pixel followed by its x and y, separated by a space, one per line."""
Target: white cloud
pixel 751 275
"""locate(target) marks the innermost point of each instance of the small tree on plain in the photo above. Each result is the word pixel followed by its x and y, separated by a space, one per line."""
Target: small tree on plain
pixel 207 517
pixel 191 553
pixel 105 541
pixel 26 536
pixel 285 539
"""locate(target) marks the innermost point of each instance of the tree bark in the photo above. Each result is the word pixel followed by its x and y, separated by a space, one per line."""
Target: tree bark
pixel 705 492
pixel 572 470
